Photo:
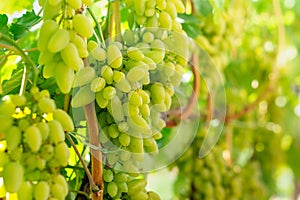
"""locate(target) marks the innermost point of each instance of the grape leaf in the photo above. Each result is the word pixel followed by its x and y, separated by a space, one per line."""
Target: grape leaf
pixel 23 24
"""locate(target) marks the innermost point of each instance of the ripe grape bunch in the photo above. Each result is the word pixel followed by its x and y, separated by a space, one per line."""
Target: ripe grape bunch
pixel 33 129
pixel 133 84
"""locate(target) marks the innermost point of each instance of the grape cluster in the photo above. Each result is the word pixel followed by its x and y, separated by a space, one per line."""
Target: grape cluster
pixel 33 130
pixel 155 13
pixel 132 83
pixel 212 178
pixel 62 42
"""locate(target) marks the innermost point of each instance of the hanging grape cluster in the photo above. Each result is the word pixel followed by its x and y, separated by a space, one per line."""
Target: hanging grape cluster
pixel 62 42
pixel 132 84
pixel 35 149
pixel 212 178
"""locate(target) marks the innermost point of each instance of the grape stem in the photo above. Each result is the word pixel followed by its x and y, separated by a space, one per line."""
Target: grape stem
pixel 18 50
pixel 88 173
pixel 93 132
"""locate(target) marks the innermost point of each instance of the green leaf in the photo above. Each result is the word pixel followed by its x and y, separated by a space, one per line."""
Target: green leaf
pixel 23 24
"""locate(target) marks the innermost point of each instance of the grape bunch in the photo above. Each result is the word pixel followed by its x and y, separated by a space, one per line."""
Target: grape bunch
pixel 155 13
pixel 132 84
pixel 33 129
pixel 213 178
pixel 62 40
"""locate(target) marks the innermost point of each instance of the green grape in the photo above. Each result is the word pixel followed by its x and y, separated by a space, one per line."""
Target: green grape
pixel 82 25
pixel 48 70
pixel 139 195
pixel 26 191
pixel 122 186
pixel 41 190
pixel 45 57
pixel 99 53
pixel 56 134
pixel 179 6
pixel 136 145
pixel 135 74
pixel 123 86
pixel 112 189
pixel 150 145
pixel 157 93
pixel 124 139
pixel 149 12
pixel 59 40
pixel 148 37
pixel 145 96
pixel 107 73
pixel 135 99
pixel 108 175
pixel 46 105
pixel 50 11
pixel 57 191
pixel 135 54
pixel 84 76
pixel 112 158
pixel 139 6
pixel 47 152
pixel 91 45
pixel 161 4
pixel 165 20
pixel 59 179
pixel 145 110
pixel 48 29
pixel 171 9
pixel 41 163
pixel 152 22
pixel 81 46
pixel 114 56
pixel 156 56
pixel 61 153
pixel 97 84
pixel 64 119
pixel 13 137
pixel 118 76
pixel 33 138
pixel 54 2
pixel 71 57
pixel 16 154
pixel 44 130
pixel 123 127
pixel 116 109
pixel 121 177
pixel 153 196
pixel 136 186
pixel 76 4
pixel 109 92
pixel 64 76
pixel 13 176
pixel 169 69
pixel 113 131
pixel 101 101
pixel 83 97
